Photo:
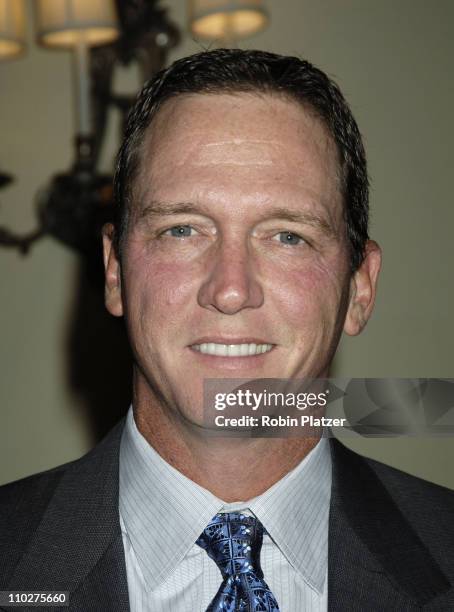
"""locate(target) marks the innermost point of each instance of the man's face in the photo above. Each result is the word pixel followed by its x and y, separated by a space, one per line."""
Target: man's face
pixel 235 263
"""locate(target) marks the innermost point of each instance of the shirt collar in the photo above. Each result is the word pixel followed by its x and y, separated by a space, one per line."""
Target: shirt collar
pixel 164 512
pixel 295 513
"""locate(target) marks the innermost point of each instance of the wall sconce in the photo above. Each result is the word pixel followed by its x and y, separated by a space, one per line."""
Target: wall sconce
pixel 12 42
pixel 78 25
pixel 104 33
pixel 226 20
pixel 12 28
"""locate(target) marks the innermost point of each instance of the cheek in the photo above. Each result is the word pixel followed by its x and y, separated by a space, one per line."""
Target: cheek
pixel 170 283
pixel 158 292
pixel 309 295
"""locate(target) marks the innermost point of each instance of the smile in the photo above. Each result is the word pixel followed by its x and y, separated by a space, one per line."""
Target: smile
pixel 232 350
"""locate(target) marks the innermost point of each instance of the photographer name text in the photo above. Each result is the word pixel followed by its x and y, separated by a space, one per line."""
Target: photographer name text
pixel 278 421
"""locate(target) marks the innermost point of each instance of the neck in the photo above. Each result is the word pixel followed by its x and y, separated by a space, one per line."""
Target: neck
pixel 233 469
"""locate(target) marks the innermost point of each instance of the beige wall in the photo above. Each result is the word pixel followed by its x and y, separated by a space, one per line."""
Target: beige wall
pixel 393 61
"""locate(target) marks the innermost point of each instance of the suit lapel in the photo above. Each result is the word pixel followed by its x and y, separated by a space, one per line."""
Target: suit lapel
pixel 77 546
pixel 105 587
pixel 376 559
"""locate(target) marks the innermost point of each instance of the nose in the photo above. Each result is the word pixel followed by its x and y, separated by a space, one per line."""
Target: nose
pixel 231 284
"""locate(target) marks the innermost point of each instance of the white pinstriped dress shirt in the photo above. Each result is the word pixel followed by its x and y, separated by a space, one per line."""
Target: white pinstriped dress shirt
pixel 162 513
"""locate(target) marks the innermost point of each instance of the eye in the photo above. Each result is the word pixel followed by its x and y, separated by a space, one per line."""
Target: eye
pixel 289 238
pixel 179 231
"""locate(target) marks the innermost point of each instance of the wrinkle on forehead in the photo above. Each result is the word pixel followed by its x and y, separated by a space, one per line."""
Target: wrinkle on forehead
pixel 236 152
pixel 234 130
pixel 200 145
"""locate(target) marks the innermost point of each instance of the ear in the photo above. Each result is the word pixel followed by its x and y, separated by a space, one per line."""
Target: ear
pixel 363 286
pixel 112 285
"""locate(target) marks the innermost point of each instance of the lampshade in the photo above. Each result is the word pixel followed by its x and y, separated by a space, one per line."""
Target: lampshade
pixel 62 23
pixel 12 27
pixel 226 19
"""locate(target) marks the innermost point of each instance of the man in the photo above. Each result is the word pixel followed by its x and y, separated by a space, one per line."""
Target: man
pixel 241 250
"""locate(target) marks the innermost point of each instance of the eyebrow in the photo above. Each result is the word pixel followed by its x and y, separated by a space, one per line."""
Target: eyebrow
pixel 304 217
pixel 166 209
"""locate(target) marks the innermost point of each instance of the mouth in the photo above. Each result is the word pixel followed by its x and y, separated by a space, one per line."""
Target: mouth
pixel 242 349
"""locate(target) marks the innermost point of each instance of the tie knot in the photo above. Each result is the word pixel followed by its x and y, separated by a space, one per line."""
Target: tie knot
pixel 233 540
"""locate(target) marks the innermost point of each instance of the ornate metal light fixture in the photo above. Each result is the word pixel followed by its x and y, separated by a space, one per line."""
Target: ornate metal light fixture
pixel 103 34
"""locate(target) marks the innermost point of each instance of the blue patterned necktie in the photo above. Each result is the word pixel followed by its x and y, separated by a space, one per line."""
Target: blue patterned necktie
pixel 233 541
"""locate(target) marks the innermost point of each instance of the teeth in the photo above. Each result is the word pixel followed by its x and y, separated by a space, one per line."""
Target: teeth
pixel 244 350
pixel 232 350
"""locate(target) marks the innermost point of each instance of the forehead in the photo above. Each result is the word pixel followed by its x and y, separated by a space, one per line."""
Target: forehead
pixel 247 139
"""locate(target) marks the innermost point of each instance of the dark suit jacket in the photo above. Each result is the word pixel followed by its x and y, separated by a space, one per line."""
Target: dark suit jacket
pixel 391 542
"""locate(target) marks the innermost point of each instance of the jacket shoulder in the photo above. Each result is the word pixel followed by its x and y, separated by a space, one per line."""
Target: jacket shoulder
pixel 22 505
pixel 417 490
pixel 34 510
pixel 402 524
pixel 428 507
pixel 20 492
pixel 396 481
